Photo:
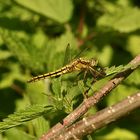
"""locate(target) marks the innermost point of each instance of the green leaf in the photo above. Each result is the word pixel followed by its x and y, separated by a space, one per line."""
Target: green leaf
pixel 120 68
pixel 120 93
pixel 105 55
pixel 36 91
pixel 56 87
pixel 59 10
pixel 121 134
pixel 123 20
pixel 13 74
pixel 20 117
pixel 113 70
pixel 129 86
pixel 134 44
pixel 62 41
pixel 17 134
pixel 41 125
pixel 133 79
pixel 27 54
pixel 4 54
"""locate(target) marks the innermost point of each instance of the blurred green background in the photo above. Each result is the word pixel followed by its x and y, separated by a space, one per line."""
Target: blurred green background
pixel 33 39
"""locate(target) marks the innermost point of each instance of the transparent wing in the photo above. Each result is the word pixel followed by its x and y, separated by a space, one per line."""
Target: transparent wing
pixel 82 51
pixel 67 57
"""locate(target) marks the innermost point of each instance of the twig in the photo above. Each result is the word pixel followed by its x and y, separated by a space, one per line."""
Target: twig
pixel 82 17
pixel 81 23
pixel 88 103
pixel 100 119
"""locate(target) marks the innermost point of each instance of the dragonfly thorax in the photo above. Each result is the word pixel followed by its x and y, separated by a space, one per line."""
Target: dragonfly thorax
pixel 93 62
pixel 82 63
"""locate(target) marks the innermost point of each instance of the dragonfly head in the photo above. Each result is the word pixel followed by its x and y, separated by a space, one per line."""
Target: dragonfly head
pixel 94 62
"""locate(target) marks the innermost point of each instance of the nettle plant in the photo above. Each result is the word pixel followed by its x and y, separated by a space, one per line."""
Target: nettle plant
pixel 70 96
pixel 69 91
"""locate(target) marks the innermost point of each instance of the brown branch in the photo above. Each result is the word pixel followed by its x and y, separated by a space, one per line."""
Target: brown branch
pixel 82 17
pixel 81 23
pixel 80 39
pixel 88 103
pixel 100 119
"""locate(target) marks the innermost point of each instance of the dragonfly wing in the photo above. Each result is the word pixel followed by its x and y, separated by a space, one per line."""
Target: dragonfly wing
pixel 67 57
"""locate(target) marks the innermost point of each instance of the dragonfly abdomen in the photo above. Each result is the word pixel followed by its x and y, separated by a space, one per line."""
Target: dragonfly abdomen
pixel 59 72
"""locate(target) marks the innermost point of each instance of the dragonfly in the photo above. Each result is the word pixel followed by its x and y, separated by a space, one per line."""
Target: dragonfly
pixel 80 64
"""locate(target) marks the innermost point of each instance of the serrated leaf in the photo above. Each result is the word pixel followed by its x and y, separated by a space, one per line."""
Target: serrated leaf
pixel 20 117
pixel 41 125
pixel 56 87
pixel 81 86
pixel 59 10
pixel 120 68
pixel 26 53
pixel 35 92
pixel 123 20
pixel 113 70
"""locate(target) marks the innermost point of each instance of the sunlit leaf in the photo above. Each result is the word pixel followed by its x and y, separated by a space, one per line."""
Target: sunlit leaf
pixel 122 133
pixel 4 54
pixel 123 20
pixel 59 10
pixel 17 134
pixel 134 44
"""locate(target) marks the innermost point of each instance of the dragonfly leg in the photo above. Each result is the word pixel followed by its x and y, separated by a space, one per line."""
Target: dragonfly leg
pixel 85 73
pixel 96 73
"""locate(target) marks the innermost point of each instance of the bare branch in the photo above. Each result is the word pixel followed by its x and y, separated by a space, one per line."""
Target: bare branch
pixel 88 103
pixel 100 119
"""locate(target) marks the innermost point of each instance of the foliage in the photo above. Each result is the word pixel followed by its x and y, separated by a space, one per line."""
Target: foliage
pixel 33 39
pixel 22 116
